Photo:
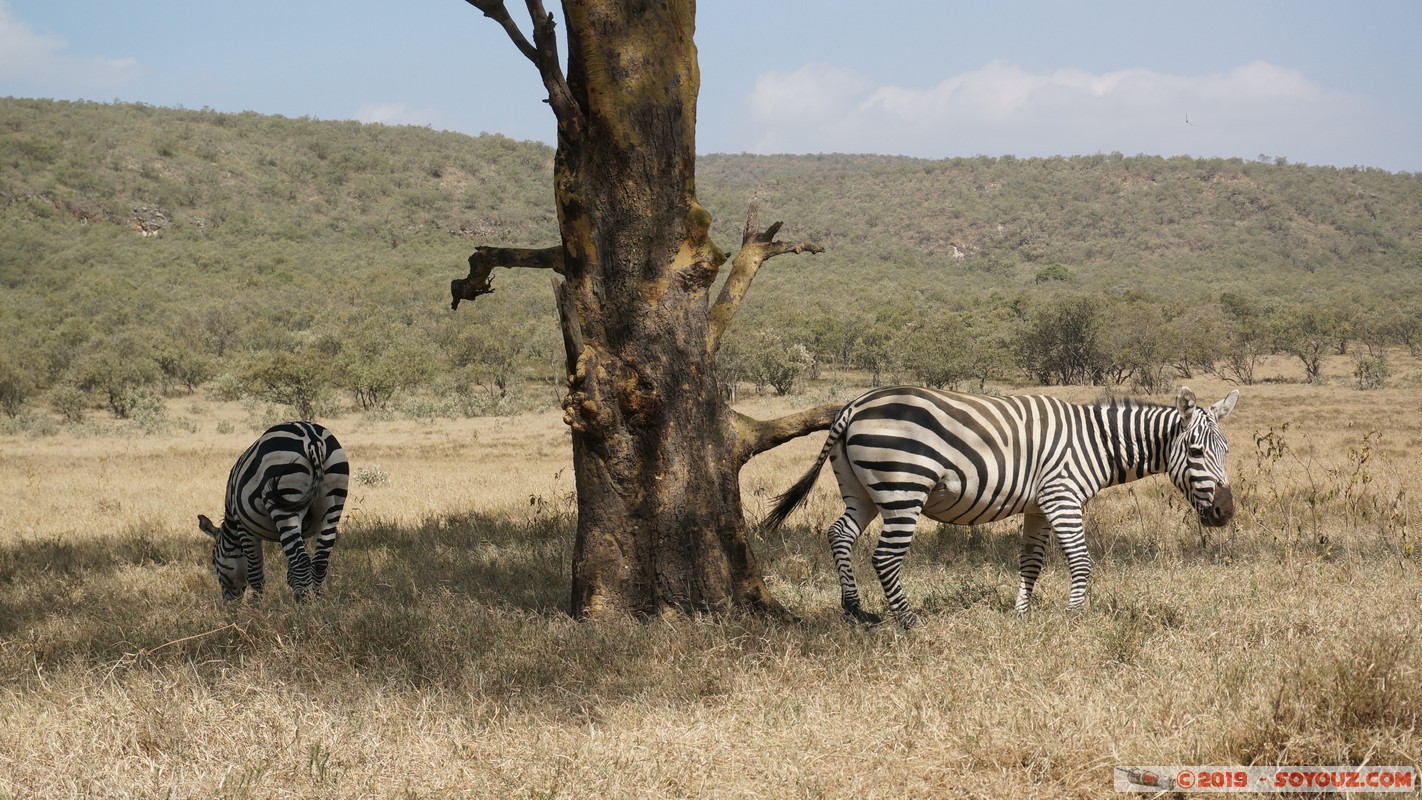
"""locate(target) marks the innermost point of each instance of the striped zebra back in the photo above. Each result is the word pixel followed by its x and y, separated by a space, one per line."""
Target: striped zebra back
pixel 291 467
pixel 999 452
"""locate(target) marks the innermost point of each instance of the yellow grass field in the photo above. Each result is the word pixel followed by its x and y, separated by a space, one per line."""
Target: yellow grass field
pixel 441 664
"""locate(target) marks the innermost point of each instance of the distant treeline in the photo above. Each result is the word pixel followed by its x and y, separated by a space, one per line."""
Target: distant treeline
pixel 147 250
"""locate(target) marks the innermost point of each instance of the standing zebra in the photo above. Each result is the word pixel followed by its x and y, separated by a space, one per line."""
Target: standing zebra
pixel 968 459
pixel 288 486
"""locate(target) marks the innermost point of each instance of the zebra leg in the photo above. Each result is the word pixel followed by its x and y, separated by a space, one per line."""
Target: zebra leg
pixel 1066 523
pixel 1033 555
pixel 298 562
pixel 889 556
pixel 256 568
pixel 842 535
pixel 320 558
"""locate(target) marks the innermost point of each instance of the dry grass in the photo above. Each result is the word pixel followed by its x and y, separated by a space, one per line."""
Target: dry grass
pixel 440 664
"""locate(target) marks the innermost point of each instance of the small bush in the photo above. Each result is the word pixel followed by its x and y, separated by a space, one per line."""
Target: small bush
pixel 427 408
pixel 69 402
pixel 148 413
pixel 372 475
pixel 1371 372
pixel 30 422
pixel 226 387
pixel 16 386
pixel 1054 274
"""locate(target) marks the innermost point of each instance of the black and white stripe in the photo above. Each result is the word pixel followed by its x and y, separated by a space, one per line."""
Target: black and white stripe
pixel 905 452
pixel 290 485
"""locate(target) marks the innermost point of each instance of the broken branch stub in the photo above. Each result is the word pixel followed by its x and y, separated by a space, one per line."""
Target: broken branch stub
pixel 484 259
pixel 755 436
pixel 756 248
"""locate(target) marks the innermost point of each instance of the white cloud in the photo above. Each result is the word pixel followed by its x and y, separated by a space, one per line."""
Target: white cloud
pixel 811 93
pixel 1003 109
pixel 395 114
pixel 38 63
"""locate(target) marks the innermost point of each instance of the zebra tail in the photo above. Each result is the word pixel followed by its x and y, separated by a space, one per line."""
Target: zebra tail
pixel 795 496
pixel 301 502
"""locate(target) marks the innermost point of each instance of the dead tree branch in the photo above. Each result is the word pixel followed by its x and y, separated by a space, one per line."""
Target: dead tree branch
pixel 495 10
pixel 485 259
pixel 542 51
pixel 756 248
pixel 569 324
pixel 756 436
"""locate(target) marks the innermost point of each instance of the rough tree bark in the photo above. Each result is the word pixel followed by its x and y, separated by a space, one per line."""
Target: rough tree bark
pixel 657 451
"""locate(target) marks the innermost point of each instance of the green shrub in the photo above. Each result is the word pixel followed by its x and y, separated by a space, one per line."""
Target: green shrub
pixel 30 422
pixel 1054 274
pixel 300 381
pixel 148 413
pixel 69 403
pixel 16 386
pixel 1371 372
pixel 226 387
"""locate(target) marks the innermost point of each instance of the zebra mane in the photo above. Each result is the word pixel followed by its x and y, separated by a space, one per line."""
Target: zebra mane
pixel 1130 404
pixel 1127 402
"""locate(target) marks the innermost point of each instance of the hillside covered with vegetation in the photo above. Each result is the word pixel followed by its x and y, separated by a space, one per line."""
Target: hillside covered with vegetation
pixel 305 263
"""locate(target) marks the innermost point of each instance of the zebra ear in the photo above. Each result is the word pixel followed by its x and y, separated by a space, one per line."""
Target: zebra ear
pixel 1185 401
pixel 1221 409
pixel 205 525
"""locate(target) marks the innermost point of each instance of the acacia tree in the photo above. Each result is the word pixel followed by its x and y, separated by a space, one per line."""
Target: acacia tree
pixel 1309 334
pixel 656 449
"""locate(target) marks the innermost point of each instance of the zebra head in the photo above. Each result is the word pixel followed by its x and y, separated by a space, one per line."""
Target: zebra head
pixel 1196 460
pixel 228 560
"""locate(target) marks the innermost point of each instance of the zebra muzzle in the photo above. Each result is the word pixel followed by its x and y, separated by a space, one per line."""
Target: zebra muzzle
pixel 1220 510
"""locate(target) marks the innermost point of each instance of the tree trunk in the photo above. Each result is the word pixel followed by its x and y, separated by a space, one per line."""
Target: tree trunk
pixel 658 523
pixel 656 449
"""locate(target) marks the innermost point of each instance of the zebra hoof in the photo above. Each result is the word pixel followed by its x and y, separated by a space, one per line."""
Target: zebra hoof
pixel 909 620
pixel 855 615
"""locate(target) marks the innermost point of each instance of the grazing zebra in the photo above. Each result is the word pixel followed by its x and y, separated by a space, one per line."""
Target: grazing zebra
pixel 967 459
pixel 288 486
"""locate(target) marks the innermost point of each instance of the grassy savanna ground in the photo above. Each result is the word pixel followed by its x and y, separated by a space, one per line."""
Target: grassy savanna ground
pixel 440 662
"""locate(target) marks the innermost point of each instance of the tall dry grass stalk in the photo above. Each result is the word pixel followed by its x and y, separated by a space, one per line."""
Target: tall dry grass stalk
pixel 441 664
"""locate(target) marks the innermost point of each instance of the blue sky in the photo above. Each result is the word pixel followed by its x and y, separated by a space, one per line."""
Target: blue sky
pixel 1331 82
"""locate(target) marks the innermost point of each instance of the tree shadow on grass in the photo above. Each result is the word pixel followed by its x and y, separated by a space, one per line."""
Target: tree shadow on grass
pixel 471 607
pixel 44 577
pixel 142 591
pixel 488 559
